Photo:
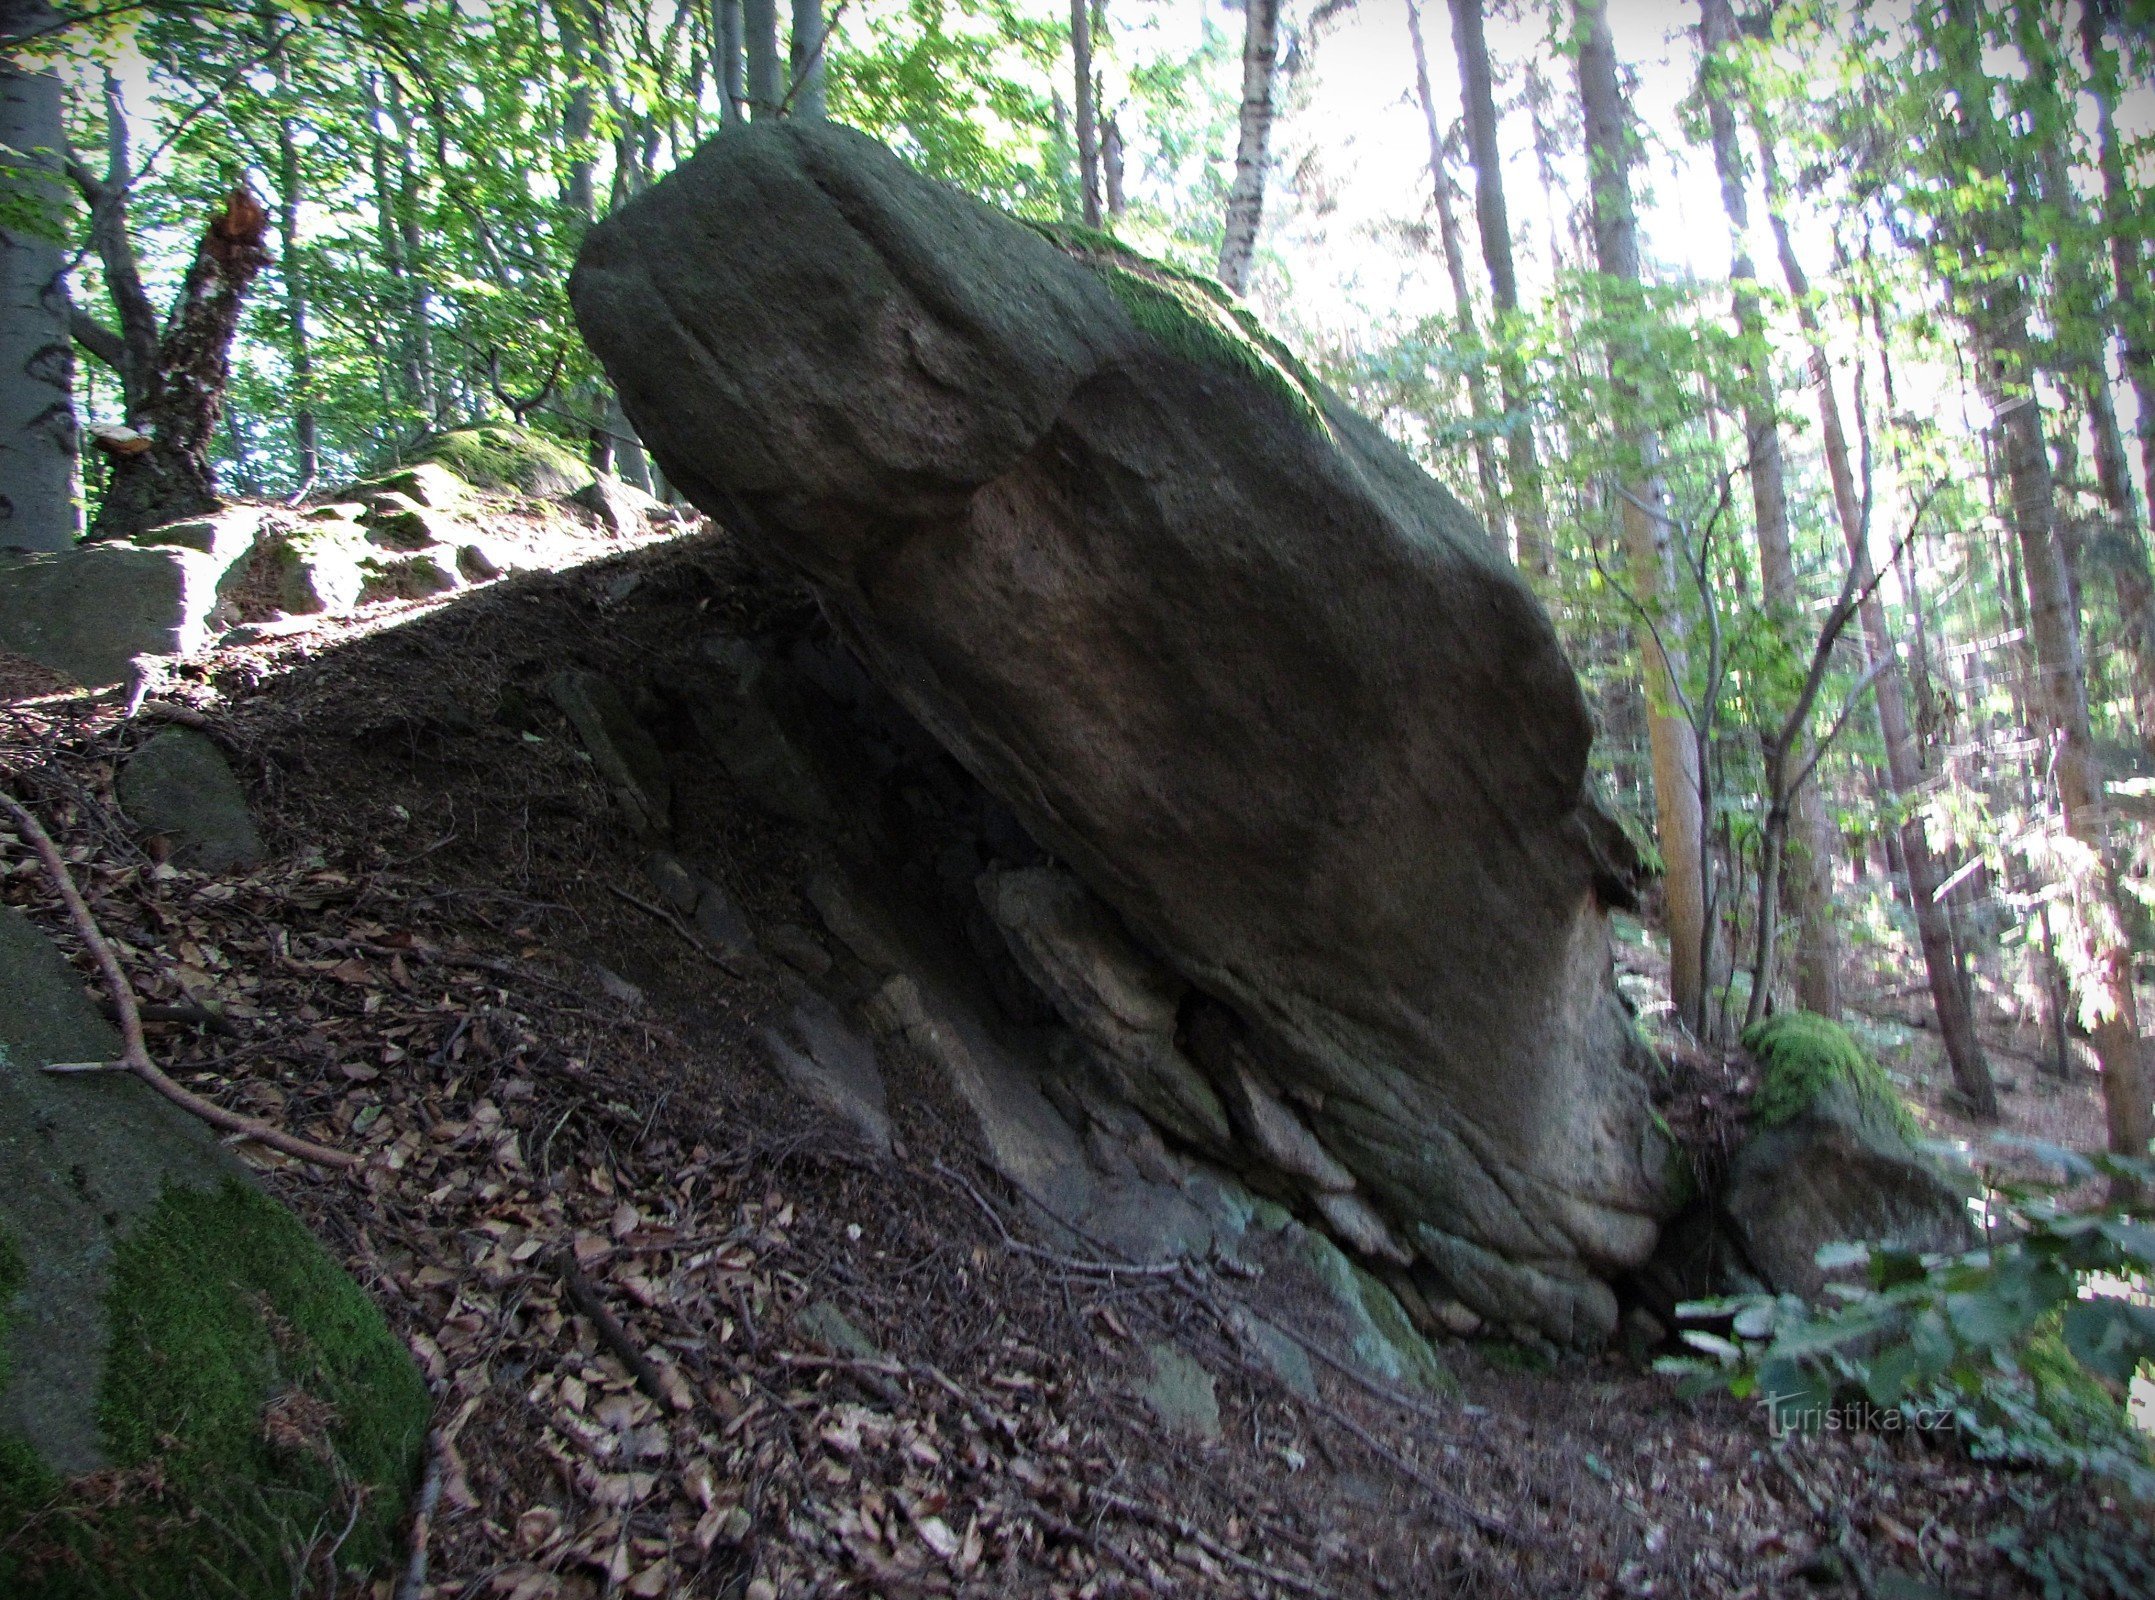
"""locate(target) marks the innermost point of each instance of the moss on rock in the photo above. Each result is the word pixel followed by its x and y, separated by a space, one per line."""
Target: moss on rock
pixel 250 1394
pixel 1191 316
pixel 494 455
pixel 1803 1056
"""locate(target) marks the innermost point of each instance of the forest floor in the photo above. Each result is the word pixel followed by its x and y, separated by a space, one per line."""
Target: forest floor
pixel 856 1378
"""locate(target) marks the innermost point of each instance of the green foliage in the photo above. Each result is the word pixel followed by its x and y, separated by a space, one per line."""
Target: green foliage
pixel 1192 316
pixel 1803 1055
pixel 252 1397
pixel 2024 1348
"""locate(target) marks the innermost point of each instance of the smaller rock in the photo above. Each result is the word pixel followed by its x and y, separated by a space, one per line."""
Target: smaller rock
pixel 179 786
pixel 335 511
pixel 1288 1361
pixel 428 484
pixel 398 524
pixel 1458 1320
pixel 617 988
pixel 1180 1391
pixel 620 507
pixel 484 559
pixel 618 744
pixel 851 922
pixel 895 1010
pixel 823 1323
pixel 317 568
pixel 227 536
pixel 798 948
pixel 1355 1224
pixel 418 576
pixel 821 1055
pixel 719 920
pixel 676 885
pixel 1279 1134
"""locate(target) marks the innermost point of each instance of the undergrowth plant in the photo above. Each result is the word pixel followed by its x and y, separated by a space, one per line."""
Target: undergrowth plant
pixel 2023 1349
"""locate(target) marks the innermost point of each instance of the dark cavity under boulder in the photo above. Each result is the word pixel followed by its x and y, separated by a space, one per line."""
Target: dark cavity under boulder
pixel 1229 654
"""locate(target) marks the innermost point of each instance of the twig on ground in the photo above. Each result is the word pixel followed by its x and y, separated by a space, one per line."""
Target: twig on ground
pixel 136 1052
pixel 694 940
pixel 586 1298
pixel 1183 1528
pixel 1150 1269
pixel 1064 1528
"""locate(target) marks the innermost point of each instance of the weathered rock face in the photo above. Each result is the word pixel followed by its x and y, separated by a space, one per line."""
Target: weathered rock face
pixel 1259 682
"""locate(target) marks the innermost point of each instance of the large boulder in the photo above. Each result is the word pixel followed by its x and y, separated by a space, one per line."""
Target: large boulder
pixel 180 787
pixel 1258 681
pixel 188 1383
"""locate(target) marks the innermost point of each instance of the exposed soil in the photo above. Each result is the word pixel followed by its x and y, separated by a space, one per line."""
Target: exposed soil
pixel 438 969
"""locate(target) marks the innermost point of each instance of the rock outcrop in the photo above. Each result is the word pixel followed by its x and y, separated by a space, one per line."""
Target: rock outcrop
pixel 1302 736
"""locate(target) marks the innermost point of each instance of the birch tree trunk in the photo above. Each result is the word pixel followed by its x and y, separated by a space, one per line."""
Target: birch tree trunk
pixel 1808 870
pixel 1477 384
pixel 1904 762
pixel 1536 554
pixel 759 20
pixel 38 465
pixel 1246 199
pixel 806 98
pixel 1995 309
pixel 2135 300
pixel 1649 558
pixel 726 72
pixel 1088 127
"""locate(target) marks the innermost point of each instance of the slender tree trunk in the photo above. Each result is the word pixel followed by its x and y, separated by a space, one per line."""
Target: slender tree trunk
pixel 1111 165
pixel 760 20
pixel 579 113
pixel 727 72
pixel 1904 769
pixel 1087 114
pixel 806 98
pixel 38 461
pixel 307 458
pixel 1996 310
pixel 1678 787
pixel 2122 223
pixel 1455 263
pixel 1246 199
pixel 1536 554
pixel 1808 889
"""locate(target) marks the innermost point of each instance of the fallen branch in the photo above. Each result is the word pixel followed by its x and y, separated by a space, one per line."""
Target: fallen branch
pixel 673 920
pixel 135 1052
pixel 1168 1522
pixel 586 1298
pixel 1149 1269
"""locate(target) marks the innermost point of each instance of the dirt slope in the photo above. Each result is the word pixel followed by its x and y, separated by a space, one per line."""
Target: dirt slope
pixel 862 1378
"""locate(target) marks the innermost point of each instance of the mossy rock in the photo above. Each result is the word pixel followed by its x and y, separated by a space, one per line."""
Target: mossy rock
pixel 1804 1056
pixel 494 455
pixel 1834 1156
pixel 191 1390
pixel 1192 316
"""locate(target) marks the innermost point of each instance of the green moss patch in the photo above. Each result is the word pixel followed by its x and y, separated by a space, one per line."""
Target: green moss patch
pixel 252 1395
pixel 496 456
pixel 1191 316
pixel 1803 1055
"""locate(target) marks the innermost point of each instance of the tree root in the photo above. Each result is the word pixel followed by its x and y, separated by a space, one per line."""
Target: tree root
pixel 135 1052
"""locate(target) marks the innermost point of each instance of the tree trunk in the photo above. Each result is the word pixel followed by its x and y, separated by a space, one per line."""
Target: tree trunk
pixel 1808 889
pixel 1455 262
pixel 1088 131
pixel 726 72
pixel 2135 302
pixel 172 478
pixel 1246 199
pixel 1678 790
pixel 759 18
pixel 1904 767
pixel 1996 311
pixel 578 115
pixel 307 456
pixel 38 464
pixel 1536 554
pixel 806 98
